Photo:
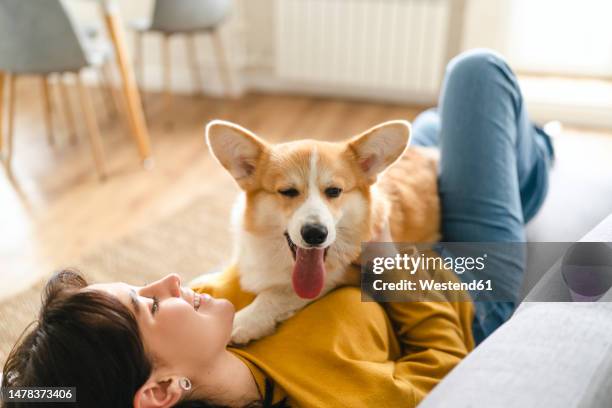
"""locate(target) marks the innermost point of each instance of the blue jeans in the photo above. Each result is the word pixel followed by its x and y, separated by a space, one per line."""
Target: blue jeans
pixel 493 170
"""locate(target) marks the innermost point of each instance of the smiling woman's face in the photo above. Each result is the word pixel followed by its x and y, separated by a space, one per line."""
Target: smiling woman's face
pixel 180 328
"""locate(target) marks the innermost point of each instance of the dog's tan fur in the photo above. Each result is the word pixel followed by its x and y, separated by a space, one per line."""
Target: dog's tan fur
pixel 405 195
pixel 411 188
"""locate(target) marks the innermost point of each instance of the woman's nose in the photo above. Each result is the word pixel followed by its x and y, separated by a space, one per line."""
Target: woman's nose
pixel 173 283
pixel 169 285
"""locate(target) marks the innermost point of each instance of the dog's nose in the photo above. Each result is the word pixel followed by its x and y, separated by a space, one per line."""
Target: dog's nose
pixel 314 234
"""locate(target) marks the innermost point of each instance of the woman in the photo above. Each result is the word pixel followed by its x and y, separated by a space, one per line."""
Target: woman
pixel 162 345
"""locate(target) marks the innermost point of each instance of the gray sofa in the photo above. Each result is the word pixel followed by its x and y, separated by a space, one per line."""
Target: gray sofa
pixel 551 353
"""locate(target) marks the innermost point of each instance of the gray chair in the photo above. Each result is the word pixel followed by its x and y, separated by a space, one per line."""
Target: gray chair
pixel 39 38
pixel 188 18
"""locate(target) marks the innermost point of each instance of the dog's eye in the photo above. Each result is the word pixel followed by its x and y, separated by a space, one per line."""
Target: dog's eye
pixel 333 192
pixel 289 192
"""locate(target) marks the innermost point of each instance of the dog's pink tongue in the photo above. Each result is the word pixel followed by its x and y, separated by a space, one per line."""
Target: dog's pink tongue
pixel 308 272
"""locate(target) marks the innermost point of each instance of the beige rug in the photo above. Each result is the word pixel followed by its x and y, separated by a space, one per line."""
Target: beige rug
pixel 193 241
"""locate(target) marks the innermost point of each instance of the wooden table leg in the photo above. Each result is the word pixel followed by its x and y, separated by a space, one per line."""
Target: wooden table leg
pixel 130 87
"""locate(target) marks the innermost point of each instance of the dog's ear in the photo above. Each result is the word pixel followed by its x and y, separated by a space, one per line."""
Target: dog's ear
pixel 237 149
pixel 379 147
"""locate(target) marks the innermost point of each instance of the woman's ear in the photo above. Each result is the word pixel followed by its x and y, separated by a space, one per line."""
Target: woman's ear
pixel 237 149
pixel 158 394
pixel 379 147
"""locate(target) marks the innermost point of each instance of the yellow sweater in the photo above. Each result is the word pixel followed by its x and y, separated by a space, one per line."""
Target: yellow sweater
pixel 341 352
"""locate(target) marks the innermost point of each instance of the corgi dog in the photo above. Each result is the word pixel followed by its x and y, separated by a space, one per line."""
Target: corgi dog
pixel 306 206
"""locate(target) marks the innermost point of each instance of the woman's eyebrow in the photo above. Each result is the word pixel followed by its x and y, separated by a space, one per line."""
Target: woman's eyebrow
pixel 135 301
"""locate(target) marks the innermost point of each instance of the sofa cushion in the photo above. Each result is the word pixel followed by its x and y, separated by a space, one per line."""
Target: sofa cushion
pixel 546 355
pixel 551 353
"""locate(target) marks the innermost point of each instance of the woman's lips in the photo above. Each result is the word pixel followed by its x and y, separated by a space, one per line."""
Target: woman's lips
pixel 196 301
pixel 200 298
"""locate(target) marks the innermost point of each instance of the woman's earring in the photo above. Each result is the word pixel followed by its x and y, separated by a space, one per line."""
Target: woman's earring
pixel 185 384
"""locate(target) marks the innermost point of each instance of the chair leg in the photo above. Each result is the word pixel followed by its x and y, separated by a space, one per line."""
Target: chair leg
pixel 12 82
pixel 68 110
pixel 129 88
pixel 193 59
pixel 139 61
pixel 139 64
pixel 107 74
pixel 222 62
pixel 48 109
pixel 105 95
pixel 115 93
pixel 167 70
pixel 92 128
pixel 3 77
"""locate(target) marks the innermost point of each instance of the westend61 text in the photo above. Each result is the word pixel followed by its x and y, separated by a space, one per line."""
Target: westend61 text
pixel 430 284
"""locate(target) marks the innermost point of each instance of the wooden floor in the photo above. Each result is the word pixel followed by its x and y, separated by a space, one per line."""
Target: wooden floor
pixel 54 209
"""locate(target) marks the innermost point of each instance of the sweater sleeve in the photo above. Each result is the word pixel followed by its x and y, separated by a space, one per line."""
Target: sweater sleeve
pixel 432 339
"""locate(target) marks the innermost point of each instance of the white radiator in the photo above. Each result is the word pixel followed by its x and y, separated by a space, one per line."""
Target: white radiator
pixel 397 46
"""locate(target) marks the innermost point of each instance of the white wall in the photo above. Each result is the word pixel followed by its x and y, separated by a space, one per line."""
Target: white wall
pixel 498 24
pixel 486 24
pixel 562 36
pixel 249 34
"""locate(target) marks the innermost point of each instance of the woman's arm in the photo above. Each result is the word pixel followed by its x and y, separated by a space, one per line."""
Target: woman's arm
pixel 434 336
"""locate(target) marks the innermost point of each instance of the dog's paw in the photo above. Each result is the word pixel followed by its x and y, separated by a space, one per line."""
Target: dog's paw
pixel 247 327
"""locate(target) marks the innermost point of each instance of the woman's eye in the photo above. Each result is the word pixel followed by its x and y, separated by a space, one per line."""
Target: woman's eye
pixel 155 305
pixel 333 192
pixel 289 192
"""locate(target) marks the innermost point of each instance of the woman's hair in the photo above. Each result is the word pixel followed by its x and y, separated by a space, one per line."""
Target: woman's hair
pixel 88 340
